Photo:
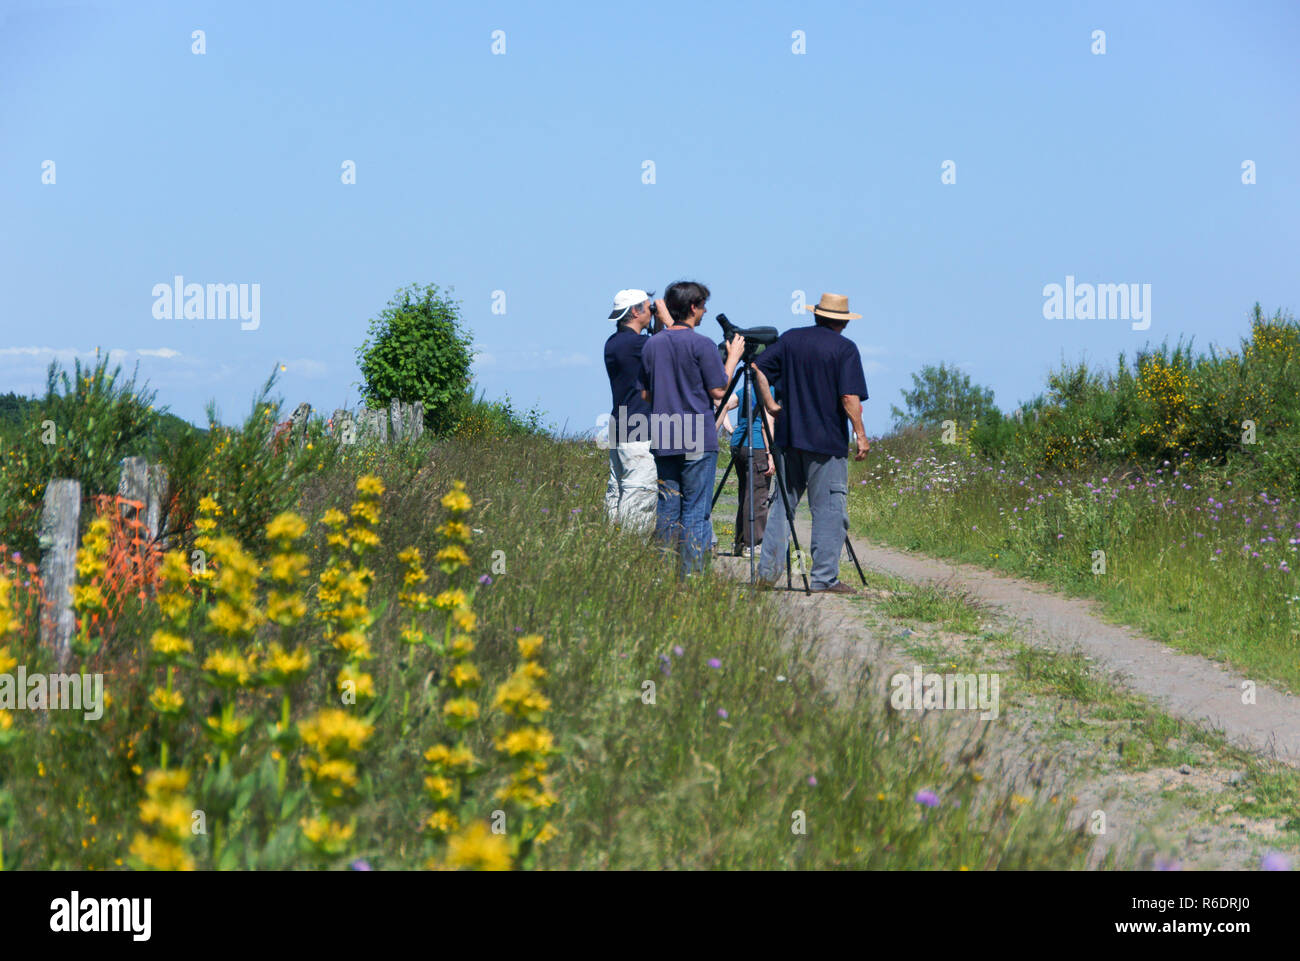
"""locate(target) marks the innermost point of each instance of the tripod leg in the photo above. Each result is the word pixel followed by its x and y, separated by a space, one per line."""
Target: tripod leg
pixel 854 554
pixel 723 483
pixel 789 511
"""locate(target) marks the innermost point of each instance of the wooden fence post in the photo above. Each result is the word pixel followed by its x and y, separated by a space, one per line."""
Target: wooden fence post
pixel 417 420
pixel 343 426
pixel 395 415
pixel 156 500
pixel 60 517
pixel 298 423
pixel 374 426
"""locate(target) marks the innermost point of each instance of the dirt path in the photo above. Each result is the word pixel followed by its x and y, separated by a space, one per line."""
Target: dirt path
pixel 1170 794
pixel 1187 686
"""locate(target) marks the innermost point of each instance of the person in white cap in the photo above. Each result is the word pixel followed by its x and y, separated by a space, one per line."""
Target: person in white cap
pixel 632 492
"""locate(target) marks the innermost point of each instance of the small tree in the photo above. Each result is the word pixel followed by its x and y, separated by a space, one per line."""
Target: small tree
pixel 943 393
pixel 416 350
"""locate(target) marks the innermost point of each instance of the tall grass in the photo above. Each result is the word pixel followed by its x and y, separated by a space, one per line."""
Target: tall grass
pixel 739 748
pixel 1190 556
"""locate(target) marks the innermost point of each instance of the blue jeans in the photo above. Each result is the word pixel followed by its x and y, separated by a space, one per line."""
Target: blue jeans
pixel 826 479
pixel 682 514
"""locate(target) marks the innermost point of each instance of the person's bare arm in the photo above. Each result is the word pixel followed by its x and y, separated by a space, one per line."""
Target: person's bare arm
pixel 765 394
pixel 853 407
pixel 661 314
pixel 771 432
pixel 645 395
pixel 731 405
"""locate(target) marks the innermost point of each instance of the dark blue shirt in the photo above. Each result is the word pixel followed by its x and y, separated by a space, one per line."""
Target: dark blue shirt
pixel 623 364
pixel 679 367
pixel 814 367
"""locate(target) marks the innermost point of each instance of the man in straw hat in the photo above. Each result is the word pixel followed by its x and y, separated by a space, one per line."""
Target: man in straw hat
pixel 818 372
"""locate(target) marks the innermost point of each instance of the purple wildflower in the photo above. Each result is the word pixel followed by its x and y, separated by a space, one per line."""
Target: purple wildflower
pixel 1275 861
pixel 714 663
pixel 928 798
pixel 485 581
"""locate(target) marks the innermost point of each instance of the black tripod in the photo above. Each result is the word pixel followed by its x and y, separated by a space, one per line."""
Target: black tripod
pixel 742 370
pixel 778 461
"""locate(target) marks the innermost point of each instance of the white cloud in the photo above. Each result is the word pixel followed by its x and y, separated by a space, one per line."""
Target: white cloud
pixel 306 367
pixel 40 351
pixel 519 360
pixel 67 353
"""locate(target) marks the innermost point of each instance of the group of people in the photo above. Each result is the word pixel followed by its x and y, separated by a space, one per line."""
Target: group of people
pixel 667 383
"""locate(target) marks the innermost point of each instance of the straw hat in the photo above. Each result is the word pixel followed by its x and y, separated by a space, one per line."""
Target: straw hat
pixel 833 307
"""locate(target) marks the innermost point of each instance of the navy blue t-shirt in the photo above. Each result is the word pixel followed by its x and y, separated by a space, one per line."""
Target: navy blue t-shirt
pixel 623 364
pixel 679 367
pixel 814 367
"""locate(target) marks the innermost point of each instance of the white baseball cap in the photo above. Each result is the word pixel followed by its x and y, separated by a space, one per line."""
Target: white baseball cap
pixel 625 300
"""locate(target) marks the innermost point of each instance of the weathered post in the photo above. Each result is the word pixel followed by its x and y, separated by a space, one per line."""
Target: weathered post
pixel 395 414
pixel 417 420
pixel 57 536
pixel 298 423
pixel 156 500
pixel 374 426
pixel 133 481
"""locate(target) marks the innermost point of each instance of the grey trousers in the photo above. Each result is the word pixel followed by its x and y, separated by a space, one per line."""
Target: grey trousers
pixel 826 481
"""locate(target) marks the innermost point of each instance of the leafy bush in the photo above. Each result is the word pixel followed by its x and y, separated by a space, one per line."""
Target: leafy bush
pixel 87 422
pixel 416 350
pixel 252 471
pixel 942 393
pixel 496 418
pixel 1171 401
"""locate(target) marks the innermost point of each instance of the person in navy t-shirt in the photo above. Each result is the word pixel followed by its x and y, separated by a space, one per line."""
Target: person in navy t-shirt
pixel 819 373
pixel 682 378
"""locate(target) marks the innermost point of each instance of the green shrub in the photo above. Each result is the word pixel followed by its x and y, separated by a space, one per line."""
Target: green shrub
pixel 483 418
pixel 253 471
pixel 942 393
pixel 89 419
pixel 416 350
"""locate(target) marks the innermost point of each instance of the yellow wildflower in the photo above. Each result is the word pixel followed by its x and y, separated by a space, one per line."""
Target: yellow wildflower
pixel 478 849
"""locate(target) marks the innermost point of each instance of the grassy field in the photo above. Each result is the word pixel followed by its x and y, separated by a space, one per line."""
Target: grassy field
pixel 661 726
pixel 1190 557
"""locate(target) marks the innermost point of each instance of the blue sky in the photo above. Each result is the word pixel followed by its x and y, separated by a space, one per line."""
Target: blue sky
pixel 774 172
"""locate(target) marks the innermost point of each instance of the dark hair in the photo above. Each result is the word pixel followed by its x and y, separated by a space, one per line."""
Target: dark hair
pixel 680 296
